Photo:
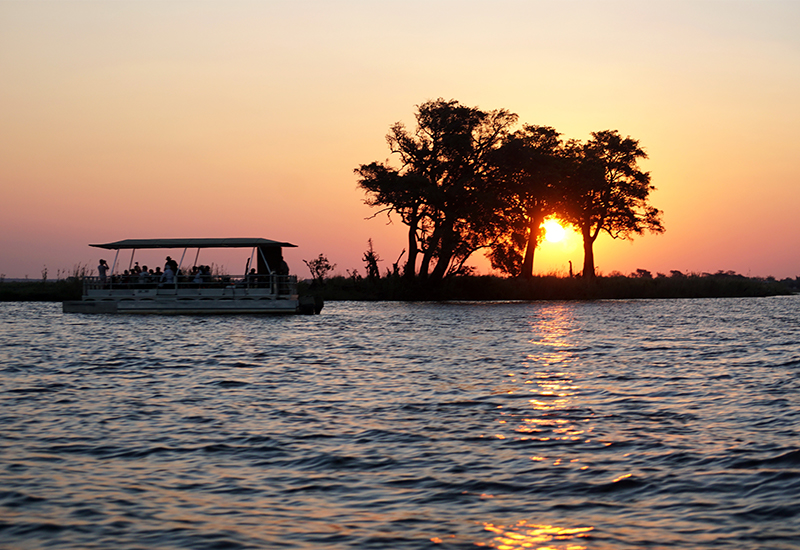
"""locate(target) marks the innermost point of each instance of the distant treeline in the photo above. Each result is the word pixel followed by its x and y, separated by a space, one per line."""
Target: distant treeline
pixel 491 288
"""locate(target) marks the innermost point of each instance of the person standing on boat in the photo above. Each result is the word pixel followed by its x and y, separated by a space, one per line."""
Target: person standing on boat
pixel 172 264
pixel 102 269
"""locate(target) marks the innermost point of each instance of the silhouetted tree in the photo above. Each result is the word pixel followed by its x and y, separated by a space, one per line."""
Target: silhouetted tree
pixel 606 191
pixel 319 268
pixel 442 191
pixel 529 165
pixel 403 194
pixel 371 258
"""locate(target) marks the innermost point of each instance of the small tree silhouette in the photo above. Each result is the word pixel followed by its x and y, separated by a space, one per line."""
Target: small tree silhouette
pixel 319 268
pixel 371 258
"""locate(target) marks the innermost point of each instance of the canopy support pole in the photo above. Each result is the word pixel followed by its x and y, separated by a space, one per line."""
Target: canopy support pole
pixel 179 267
pixel 266 263
pixel 113 266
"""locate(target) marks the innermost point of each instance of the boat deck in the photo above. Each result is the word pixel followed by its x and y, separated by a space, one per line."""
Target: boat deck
pixel 261 294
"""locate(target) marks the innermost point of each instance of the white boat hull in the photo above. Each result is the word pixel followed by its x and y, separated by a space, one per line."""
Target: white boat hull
pixel 276 298
pixel 200 307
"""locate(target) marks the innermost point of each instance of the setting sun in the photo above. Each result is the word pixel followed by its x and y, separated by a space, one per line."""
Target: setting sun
pixel 553 231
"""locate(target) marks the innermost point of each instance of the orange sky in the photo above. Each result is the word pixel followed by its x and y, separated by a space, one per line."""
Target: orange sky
pixel 246 119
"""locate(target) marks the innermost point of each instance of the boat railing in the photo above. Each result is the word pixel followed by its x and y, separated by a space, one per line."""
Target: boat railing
pixel 275 284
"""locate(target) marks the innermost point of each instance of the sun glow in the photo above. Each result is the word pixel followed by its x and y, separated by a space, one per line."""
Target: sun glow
pixel 554 232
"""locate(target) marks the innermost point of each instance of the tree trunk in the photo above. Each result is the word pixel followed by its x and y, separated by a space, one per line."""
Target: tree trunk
pixel 411 265
pixel 445 254
pixel 588 252
pixel 530 247
pixel 431 246
pixel 442 262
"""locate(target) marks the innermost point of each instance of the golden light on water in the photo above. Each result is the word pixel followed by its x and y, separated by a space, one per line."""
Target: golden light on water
pixel 547 378
pixel 538 537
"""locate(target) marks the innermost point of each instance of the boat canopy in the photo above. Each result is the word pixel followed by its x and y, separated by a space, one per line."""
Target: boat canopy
pixel 193 243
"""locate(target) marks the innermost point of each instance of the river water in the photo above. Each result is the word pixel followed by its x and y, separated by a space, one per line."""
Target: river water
pixel 557 425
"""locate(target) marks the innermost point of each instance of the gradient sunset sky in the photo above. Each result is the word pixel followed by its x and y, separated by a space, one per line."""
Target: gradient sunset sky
pixel 159 119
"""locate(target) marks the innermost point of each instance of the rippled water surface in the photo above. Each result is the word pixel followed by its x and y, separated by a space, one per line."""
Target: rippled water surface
pixel 559 425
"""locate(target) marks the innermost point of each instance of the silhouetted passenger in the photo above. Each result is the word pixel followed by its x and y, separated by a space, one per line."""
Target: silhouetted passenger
pixel 172 264
pixel 283 272
pixel 102 269
pixel 169 275
pixel 144 276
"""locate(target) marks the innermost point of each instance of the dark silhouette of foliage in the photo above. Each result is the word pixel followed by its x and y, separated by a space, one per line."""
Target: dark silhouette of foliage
pixel 606 191
pixel 467 182
pixel 529 166
pixel 548 288
pixel 319 268
pixel 442 191
pixel 371 258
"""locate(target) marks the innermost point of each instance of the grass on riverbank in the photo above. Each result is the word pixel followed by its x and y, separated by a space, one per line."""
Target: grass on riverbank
pixel 488 288
pixel 41 291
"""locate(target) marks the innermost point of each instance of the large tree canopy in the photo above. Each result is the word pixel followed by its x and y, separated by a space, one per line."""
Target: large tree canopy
pixel 529 167
pixel 442 189
pixel 466 181
pixel 606 191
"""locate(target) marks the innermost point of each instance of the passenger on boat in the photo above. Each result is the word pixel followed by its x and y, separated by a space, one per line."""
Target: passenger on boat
pixel 144 275
pixel 197 275
pixel 283 271
pixel 169 275
pixel 172 264
pixel 102 269
pixel 157 274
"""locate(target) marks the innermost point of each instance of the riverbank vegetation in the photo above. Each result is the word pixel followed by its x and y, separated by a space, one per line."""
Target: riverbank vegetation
pixel 41 291
pixel 479 288
pixel 490 288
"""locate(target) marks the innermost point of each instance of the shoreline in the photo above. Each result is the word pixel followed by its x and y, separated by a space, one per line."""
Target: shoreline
pixel 478 289
pixel 490 288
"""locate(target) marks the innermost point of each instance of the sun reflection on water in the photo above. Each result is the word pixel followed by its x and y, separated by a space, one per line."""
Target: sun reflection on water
pixel 548 381
pixel 538 537
pixel 551 391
